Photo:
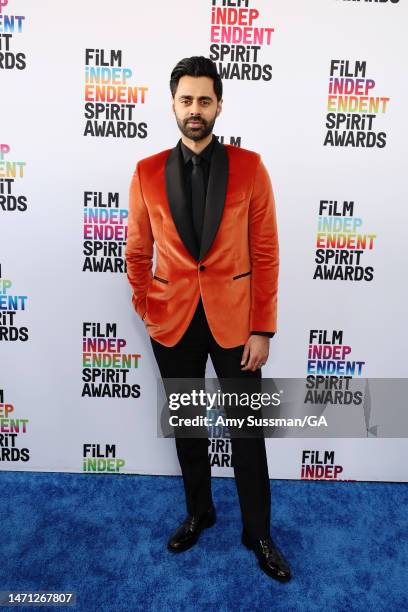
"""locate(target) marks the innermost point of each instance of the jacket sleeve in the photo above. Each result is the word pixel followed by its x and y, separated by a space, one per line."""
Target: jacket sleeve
pixel 264 253
pixel 139 245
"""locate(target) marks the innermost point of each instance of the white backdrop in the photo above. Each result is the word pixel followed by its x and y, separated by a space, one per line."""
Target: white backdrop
pixel 46 420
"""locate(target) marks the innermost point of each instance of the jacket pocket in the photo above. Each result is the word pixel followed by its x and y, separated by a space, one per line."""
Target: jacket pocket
pixel 162 280
pixel 241 275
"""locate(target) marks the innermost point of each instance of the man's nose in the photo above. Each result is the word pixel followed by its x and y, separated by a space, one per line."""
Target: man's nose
pixel 194 108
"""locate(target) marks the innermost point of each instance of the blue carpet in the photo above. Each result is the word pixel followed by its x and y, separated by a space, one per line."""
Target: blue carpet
pixel 104 537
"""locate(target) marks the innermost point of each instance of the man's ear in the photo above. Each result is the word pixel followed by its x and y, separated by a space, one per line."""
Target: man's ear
pixel 219 107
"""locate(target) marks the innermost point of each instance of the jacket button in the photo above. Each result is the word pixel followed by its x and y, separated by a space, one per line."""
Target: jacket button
pixel 202 268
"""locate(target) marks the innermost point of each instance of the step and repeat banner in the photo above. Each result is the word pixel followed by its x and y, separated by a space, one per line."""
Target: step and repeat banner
pixel 319 89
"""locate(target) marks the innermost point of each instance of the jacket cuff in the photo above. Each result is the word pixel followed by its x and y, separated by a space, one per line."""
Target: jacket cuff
pixel 259 333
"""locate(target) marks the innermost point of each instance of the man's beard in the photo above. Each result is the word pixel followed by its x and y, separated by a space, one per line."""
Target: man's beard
pixel 195 133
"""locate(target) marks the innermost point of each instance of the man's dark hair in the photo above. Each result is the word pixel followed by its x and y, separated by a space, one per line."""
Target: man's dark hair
pixel 196 66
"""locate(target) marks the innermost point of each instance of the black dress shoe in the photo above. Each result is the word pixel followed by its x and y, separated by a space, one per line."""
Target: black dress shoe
pixel 271 560
pixel 187 534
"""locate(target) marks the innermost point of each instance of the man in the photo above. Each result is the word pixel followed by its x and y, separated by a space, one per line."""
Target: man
pixel 210 210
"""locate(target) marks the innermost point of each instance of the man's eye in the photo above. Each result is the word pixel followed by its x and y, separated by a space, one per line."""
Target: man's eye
pixel 205 102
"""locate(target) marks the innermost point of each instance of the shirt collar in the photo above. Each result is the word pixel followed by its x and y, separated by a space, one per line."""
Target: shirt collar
pixel 205 153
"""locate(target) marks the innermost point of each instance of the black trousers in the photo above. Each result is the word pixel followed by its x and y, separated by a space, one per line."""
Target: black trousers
pixel 187 359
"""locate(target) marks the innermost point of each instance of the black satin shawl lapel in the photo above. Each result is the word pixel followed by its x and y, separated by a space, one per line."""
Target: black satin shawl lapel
pixel 178 202
pixel 216 194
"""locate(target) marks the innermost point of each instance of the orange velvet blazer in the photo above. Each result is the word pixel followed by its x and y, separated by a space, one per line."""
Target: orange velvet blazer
pixel 236 268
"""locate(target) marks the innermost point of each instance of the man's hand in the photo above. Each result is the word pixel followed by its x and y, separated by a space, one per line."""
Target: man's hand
pixel 256 352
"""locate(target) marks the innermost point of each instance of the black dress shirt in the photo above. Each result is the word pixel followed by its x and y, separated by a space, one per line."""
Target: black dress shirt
pixel 205 162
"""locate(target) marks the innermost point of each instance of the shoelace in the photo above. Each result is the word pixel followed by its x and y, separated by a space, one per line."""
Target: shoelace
pixel 267 548
pixel 190 523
